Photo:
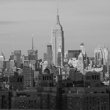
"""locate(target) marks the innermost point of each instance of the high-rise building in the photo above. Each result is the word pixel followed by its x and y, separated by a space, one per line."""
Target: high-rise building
pixel 17 58
pixel 1 62
pixel 28 74
pixel 82 48
pixel 45 57
pixel 80 64
pixel 58 43
pixel 49 53
pixel 101 54
pixel 73 54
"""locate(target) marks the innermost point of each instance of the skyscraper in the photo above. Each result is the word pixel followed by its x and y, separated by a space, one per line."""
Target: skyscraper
pixel 58 43
pixel 49 53
pixel 17 58
pixel 101 55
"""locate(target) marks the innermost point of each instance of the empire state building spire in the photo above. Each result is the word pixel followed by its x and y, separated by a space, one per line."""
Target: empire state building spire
pixel 58 20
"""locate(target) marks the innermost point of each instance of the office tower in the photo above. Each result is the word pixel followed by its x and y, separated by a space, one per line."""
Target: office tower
pixel 65 58
pixel 12 56
pixel 45 57
pixel 7 64
pixel 80 64
pixel 1 62
pixel 12 64
pixel 73 54
pixel 49 53
pixel 16 82
pixel 28 74
pixel 101 54
pixel 82 48
pixel 58 43
pixel 17 58
pixel 32 54
pixel 105 55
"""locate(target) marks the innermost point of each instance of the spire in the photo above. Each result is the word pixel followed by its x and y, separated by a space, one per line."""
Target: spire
pixel 58 21
pixel 32 43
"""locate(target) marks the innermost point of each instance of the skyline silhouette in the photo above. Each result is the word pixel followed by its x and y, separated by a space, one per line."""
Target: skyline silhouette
pixel 82 21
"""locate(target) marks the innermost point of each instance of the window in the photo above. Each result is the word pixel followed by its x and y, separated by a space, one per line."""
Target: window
pixel 17 79
pixel 20 79
pixel 92 76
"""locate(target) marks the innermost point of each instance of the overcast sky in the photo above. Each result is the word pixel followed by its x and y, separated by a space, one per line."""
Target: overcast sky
pixel 86 21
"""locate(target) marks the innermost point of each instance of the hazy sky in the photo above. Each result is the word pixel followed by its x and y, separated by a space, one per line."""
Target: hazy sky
pixel 86 21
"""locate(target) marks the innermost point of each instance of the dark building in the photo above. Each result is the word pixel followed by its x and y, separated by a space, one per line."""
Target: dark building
pixel 96 98
pixel 38 66
pixel 28 74
pixel 17 58
pixel 16 82
pixel 45 57
pixel 45 80
pixel 86 98
pixel 92 79
pixel 12 56
pixel 49 53
pixel 76 77
pixel 32 55
pixel 5 100
pixel 73 54
pixel 25 100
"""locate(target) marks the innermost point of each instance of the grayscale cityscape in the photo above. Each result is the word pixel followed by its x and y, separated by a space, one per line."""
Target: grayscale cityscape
pixel 66 70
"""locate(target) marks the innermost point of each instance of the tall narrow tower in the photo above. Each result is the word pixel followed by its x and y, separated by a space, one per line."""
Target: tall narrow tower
pixel 58 43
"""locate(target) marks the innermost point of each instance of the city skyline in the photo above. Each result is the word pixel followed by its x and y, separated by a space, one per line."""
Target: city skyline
pixel 82 21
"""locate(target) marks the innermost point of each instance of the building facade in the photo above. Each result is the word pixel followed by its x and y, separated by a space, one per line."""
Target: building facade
pixel 49 53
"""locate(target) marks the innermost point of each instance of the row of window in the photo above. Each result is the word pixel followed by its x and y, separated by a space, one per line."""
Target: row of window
pixel 93 77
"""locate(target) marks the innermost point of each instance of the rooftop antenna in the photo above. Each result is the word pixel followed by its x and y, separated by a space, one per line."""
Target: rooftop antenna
pixel 58 21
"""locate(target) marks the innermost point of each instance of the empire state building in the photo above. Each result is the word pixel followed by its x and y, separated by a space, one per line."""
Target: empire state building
pixel 58 43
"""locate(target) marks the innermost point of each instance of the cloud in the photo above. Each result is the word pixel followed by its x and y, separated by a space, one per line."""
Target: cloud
pixel 7 22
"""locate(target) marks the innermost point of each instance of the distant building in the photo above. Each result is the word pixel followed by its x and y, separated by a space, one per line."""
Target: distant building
pixel 12 64
pixel 82 48
pixel 28 74
pixel 16 82
pixel 49 53
pixel 80 63
pixel 17 58
pixel 73 54
pixel 12 56
pixel 101 54
pixel 7 64
pixel 38 66
pixel 1 62
pixel 33 57
pixel 45 57
pixel 32 54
